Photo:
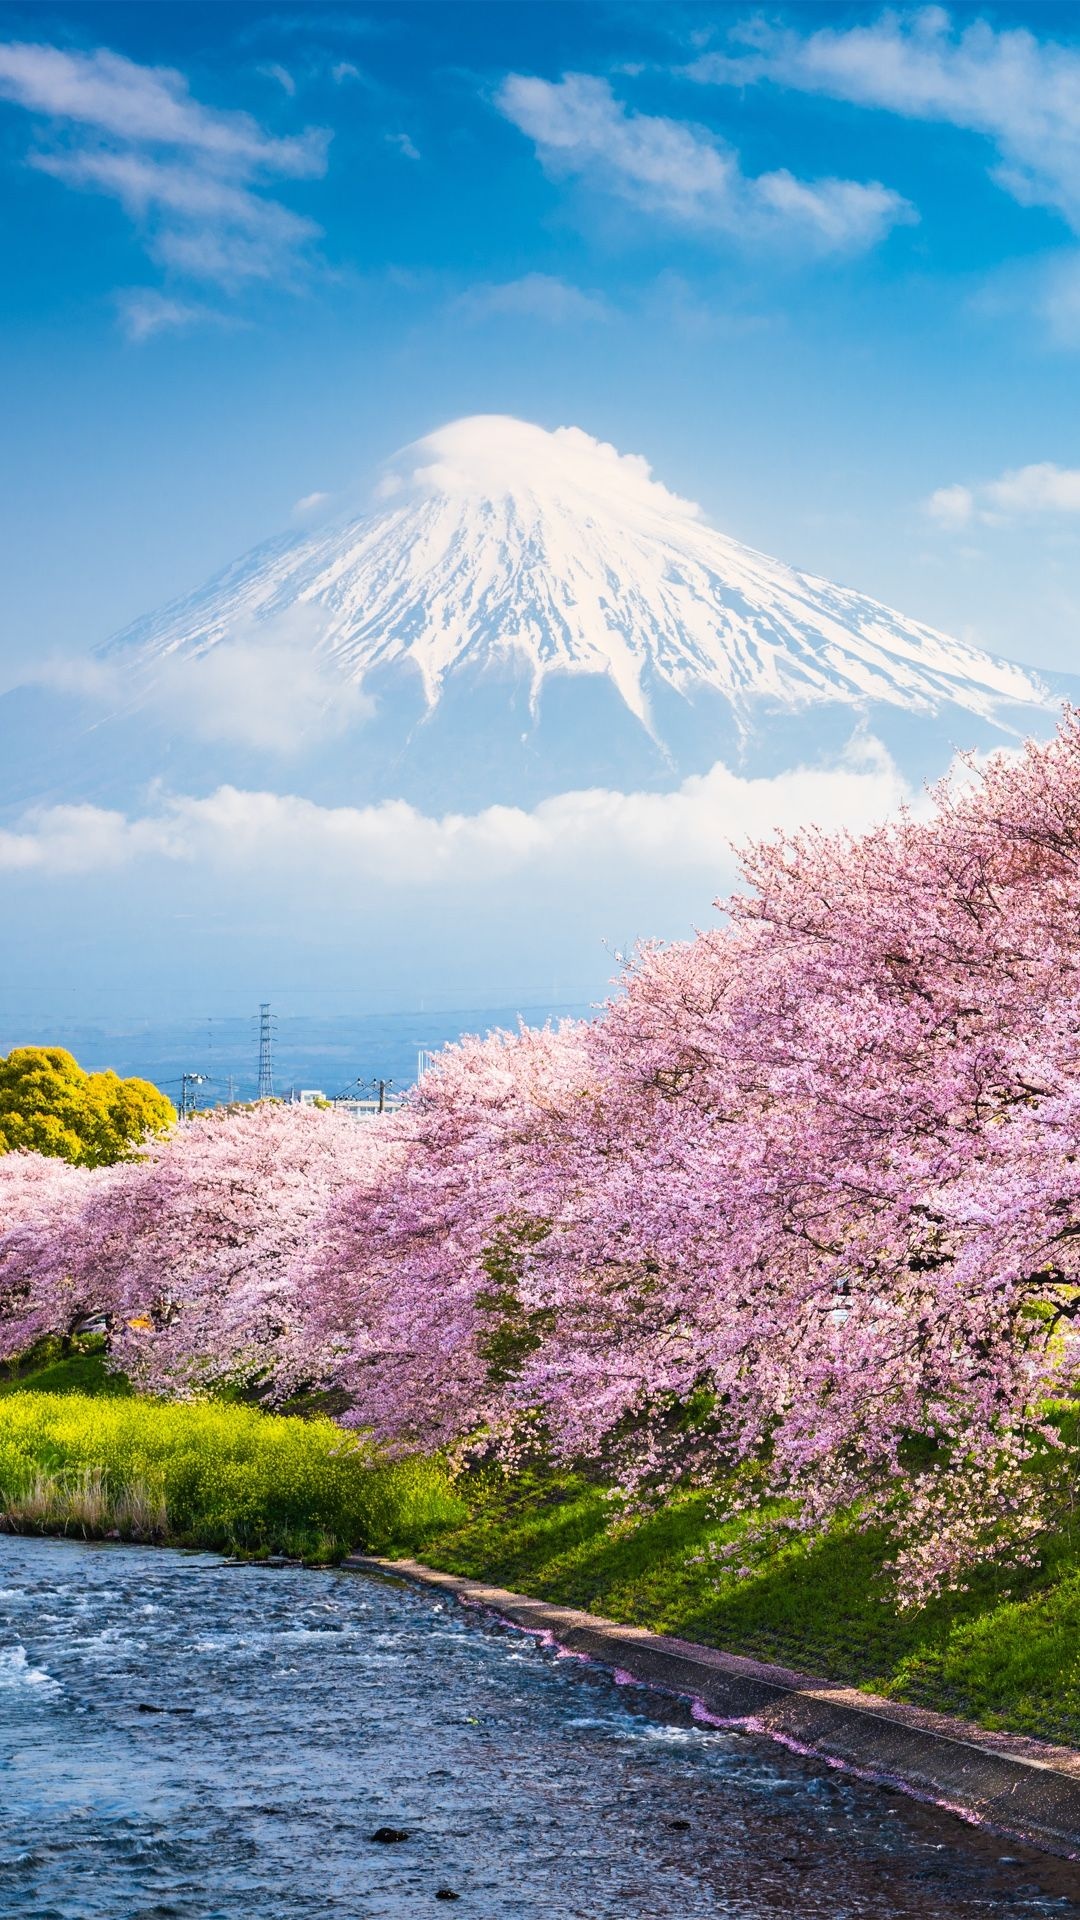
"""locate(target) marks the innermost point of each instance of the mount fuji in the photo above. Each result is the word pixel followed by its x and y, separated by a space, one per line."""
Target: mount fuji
pixel 522 613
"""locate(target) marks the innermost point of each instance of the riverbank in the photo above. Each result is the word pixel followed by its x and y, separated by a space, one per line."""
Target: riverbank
pixel 1005 1655
pixel 1023 1789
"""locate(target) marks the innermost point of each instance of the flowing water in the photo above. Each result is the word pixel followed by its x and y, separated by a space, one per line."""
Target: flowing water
pixel 180 1737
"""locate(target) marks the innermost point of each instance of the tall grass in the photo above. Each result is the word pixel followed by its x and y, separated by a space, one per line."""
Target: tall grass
pixel 208 1475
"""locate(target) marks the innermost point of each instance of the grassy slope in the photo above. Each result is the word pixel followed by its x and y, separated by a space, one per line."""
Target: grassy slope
pixel 83 1371
pixel 1006 1654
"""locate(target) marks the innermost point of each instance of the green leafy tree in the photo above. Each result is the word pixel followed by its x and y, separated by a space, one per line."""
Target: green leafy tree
pixel 49 1104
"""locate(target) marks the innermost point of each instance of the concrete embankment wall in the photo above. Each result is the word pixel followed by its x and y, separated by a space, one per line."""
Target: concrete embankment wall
pixel 1024 1788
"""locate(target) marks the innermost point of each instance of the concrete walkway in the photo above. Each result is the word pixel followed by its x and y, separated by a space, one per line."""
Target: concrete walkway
pixel 1027 1789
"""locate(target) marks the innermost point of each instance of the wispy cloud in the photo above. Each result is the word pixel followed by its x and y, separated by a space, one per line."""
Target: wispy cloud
pixel 700 312
pixel 683 173
pixel 1041 490
pixel 404 144
pixel 1017 90
pixel 305 21
pixel 193 178
pixel 267 686
pixel 951 507
pixel 1058 298
pixel 309 505
pixel 144 312
pixel 536 296
pixel 273 70
pixel 112 95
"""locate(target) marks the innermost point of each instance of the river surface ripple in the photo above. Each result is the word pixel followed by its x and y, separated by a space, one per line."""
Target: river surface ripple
pixel 179 1737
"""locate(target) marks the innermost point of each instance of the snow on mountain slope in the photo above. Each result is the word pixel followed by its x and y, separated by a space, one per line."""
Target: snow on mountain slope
pixel 524 614
pixel 499 542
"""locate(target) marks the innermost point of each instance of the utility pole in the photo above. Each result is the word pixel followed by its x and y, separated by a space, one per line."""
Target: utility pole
pixel 189 1080
pixel 266 1052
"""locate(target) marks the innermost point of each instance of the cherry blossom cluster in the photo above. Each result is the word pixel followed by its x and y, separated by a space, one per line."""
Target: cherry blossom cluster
pixel 189 1253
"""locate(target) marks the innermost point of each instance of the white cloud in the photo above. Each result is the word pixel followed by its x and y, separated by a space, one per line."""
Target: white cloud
pixel 143 185
pixel 1019 91
pixel 81 839
pixel 487 453
pixel 1058 299
pixel 404 145
pixel 149 106
pixel 392 844
pixel 84 676
pixel 536 296
pixel 683 173
pixel 192 177
pixel 1046 284
pixel 1039 490
pixel 271 694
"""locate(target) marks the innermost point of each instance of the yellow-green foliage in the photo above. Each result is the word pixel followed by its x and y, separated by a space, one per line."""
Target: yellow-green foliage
pixel 50 1105
pixel 211 1475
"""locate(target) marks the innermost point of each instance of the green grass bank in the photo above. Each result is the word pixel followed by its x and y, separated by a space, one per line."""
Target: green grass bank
pixel 79 1454
pixel 1006 1654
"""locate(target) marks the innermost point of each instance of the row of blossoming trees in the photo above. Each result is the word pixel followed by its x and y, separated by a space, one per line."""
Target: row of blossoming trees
pixel 797 1215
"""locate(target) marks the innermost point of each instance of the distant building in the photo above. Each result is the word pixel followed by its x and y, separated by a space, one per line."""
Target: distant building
pixel 357 1109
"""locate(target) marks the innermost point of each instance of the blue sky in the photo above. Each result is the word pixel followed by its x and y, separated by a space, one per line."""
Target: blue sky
pixel 820 266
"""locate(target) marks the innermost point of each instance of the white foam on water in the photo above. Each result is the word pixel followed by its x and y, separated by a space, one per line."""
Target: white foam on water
pixel 16 1672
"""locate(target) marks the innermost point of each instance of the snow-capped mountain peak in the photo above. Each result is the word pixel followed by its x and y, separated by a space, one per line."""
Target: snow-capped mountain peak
pixel 496 542
pixel 520 613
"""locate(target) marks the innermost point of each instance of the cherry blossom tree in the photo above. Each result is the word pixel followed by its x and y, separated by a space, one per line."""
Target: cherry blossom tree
pixel 189 1251
pixel 201 1247
pixel 42 1203
pixel 813 1172
pixel 406 1279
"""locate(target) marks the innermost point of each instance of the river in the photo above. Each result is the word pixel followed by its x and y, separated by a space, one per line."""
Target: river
pixel 181 1737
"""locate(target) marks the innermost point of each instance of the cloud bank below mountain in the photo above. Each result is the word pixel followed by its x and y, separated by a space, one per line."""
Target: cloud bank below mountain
pixel 395 845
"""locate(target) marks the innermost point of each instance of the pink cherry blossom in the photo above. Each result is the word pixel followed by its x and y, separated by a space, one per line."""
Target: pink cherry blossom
pixel 42 1201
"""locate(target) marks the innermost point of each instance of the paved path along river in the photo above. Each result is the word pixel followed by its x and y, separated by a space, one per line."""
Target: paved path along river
pixel 183 1738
